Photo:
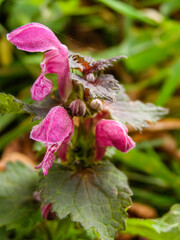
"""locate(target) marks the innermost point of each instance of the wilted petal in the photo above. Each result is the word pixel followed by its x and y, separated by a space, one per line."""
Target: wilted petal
pixel 112 133
pixel 33 37
pixel 41 88
pixel 54 128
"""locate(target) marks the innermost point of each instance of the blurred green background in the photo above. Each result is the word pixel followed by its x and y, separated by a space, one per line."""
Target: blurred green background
pixel 148 32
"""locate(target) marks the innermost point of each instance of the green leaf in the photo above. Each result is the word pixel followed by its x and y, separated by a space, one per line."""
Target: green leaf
pixel 23 127
pixel 170 85
pixel 150 163
pixel 164 228
pixel 17 204
pixel 8 104
pixel 41 108
pixel 127 10
pixel 96 197
pixel 136 113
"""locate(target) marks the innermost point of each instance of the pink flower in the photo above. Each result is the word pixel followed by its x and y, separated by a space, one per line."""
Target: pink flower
pixel 112 133
pixel 35 37
pixel 55 130
pixel 46 212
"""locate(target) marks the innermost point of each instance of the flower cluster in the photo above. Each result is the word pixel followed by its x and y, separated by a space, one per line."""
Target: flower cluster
pixel 82 97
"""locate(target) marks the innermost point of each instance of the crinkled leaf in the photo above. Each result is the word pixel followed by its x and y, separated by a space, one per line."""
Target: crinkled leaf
pixel 41 108
pixel 102 64
pixel 73 62
pixel 164 228
pixel 95 197
pixel 77 60
pixel 9 105
pixel 136 113
pixel 105 87
pixel 17 204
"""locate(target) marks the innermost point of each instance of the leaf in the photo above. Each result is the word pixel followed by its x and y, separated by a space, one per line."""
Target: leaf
pixel 149 162
pixel 102 64
pixel 127 10
pixel 95 197
pixel 24 127
pixel 41 108
pixel 136 113
pixel 73 62
pixel 170 85
pixel 88 63
pixel 164 228
pixel 9 105
pixel 105 87
pixel 17 204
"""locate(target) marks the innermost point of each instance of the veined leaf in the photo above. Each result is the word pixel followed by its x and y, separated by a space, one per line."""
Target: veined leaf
pixel 105 87
pixel 17 204
pixel 77 60
pixel 95 197
pixel 136 113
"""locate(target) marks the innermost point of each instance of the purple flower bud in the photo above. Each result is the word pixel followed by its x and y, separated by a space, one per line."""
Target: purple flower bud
pixel 78 108
pixel 96 104
pixel 112 133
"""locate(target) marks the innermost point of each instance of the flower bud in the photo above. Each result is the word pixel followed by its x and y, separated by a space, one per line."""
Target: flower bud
pixel 96 104
pixel 90 77
pixel 78 108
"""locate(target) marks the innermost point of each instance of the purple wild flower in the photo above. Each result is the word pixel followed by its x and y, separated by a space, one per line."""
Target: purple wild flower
pixel 55 130
pixel 112 133
pixel 35 37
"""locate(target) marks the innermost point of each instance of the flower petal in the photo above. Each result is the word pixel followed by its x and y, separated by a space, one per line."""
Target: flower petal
pixel 34 37
pixel 41 88
pixel 62 151
pixel 59 64
pixel 48 158
pixel 112 133
pixel 56 127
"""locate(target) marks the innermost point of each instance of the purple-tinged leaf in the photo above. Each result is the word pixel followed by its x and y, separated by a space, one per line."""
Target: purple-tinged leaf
pixel 88 63
pixel 136 113
pixel 105 87
pixel 102 64
pixel 96 197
